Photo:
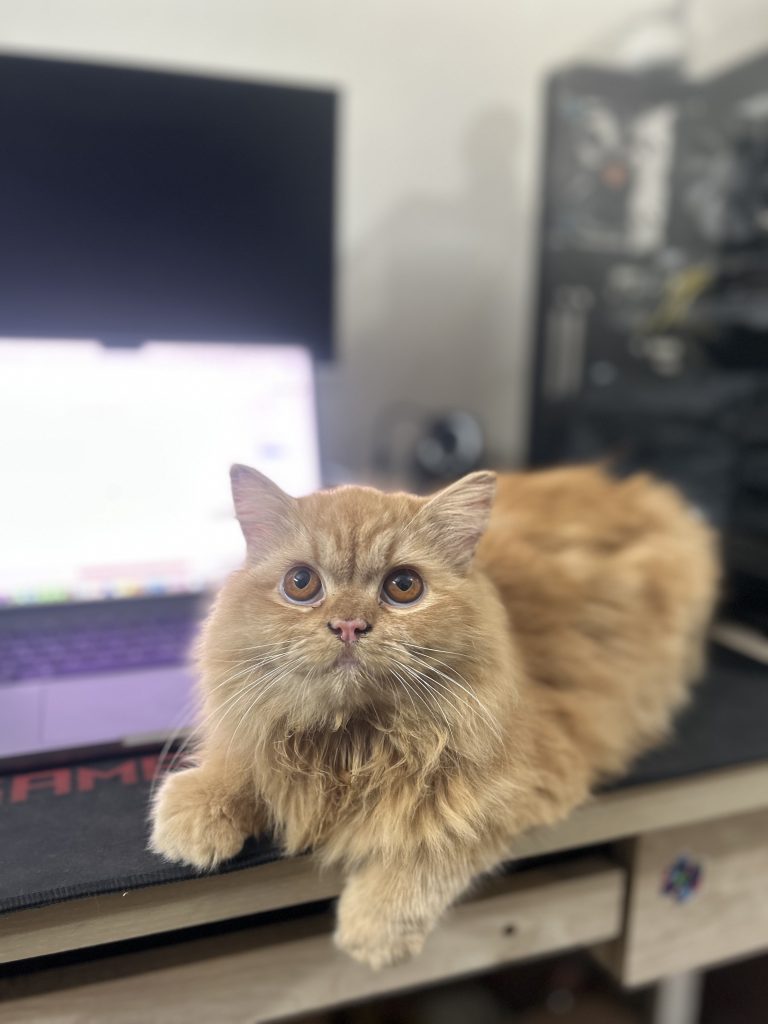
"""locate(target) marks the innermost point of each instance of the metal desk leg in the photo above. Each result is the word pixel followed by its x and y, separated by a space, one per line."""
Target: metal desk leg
pixel 677 999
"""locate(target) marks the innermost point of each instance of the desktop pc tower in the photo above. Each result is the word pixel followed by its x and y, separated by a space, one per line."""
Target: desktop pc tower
pixel 651 334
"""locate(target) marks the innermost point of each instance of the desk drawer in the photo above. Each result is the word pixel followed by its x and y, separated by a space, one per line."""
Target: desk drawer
pixel 273 971
pixel 697 895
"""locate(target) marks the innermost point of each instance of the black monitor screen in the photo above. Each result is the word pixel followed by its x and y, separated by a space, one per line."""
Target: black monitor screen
pixel 139 205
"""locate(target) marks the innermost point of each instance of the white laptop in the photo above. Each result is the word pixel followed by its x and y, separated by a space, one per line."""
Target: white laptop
pixel 116 524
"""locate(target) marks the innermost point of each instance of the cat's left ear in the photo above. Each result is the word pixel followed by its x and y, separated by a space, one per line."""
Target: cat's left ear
pixel 262 509
pixel 456 517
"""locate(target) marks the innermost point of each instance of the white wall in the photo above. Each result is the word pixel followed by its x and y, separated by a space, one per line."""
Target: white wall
pixel 438 187
pixel 725 32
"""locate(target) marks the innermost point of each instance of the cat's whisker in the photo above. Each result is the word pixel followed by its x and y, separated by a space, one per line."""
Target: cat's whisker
pixel 271 643
pixel 404 680
pixel 437 650
pixel 244 665
pixel 215 718
pixel 449 679
pixel 421 680
pixel 179 754
pixel 255 675
pixel 266 654
pixel 431 665
pixel 430 682
pixel 429 652
pixel 427 659
pixel 247 666
pixel 408 692
pixel 234 703
pixel 261 693
pixel 243 670
pixel 251 683
pixel 259 647
pixel 397 668
pixel 160 769
pixel 184 720
pixel 395 690
pixel 301 697
pixel 407 687
pixel 244 688
pixel 263 683
pixel 303 693
pixel 437 679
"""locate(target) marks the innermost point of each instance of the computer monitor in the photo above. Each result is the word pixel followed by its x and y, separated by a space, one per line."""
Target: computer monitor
pixel 114 462
pixel 141 204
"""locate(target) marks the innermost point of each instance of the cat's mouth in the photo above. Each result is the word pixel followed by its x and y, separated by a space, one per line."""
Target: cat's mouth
pixel 347 659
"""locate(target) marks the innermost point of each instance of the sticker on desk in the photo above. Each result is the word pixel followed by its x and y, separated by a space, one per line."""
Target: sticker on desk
pixel 681 879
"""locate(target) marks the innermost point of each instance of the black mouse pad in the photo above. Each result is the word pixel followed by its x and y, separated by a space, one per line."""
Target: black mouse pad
pixel 82 830
pixel 725 724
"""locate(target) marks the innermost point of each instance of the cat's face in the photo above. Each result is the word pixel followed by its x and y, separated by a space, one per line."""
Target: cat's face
pixel 352 597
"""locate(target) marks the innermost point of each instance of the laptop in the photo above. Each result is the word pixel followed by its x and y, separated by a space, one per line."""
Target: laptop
pixel 117 525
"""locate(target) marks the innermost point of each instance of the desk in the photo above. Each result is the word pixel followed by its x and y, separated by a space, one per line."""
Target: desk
pixel 596 881
pixel 609 900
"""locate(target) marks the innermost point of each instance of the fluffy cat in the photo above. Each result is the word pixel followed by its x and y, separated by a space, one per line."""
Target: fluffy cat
pixel 405 684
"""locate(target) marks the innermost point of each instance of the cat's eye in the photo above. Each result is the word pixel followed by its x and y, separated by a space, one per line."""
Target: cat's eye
pixel 301 584
pixel 402 586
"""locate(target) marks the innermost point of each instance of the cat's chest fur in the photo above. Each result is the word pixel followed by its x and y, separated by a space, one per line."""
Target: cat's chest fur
pixel 348 791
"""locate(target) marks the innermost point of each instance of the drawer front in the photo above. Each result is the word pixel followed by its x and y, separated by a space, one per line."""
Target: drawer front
pixel 697 895
pixel 274 971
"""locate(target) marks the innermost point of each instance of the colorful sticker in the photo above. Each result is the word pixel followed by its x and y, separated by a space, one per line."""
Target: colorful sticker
pixel 681 880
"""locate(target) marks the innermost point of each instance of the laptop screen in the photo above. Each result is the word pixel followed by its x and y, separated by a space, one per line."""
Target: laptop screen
pixel 114 462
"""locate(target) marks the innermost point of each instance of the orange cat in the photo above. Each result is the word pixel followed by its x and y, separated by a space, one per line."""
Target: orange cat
pixel 406 684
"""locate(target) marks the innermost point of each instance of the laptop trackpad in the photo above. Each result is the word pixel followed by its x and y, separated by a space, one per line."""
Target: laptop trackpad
pixel 20 717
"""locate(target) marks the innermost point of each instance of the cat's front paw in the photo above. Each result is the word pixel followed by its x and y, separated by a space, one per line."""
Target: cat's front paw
pixel 191 826
pixel 378 941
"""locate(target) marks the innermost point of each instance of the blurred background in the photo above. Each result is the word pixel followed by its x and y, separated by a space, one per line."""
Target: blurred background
pixel 441 136
pixel 378 242
pixel 371 242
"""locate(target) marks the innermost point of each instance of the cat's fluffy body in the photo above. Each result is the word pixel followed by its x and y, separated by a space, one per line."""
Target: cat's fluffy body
pixel 539 661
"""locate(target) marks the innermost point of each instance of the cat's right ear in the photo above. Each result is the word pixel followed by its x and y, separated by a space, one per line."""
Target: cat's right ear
pixel 455 518
pixel 261 509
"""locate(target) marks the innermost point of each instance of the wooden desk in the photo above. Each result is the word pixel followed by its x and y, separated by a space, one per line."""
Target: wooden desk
pixel 608 899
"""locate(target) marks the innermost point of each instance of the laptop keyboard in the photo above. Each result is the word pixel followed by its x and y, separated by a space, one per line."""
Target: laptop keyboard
pixel 37 643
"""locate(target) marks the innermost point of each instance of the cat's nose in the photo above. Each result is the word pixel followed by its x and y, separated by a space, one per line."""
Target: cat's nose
pixel 349 630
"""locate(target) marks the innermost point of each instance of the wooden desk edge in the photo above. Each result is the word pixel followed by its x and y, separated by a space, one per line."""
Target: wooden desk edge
pixel 267 972
pixel 101 919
